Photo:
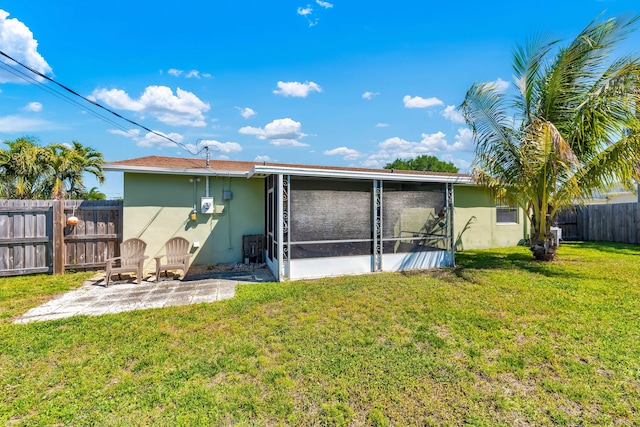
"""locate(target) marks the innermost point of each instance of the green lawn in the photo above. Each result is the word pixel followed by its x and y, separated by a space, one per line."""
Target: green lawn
pixel 497 340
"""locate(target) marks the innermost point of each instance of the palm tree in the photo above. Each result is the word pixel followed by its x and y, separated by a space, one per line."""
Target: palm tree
pixel 570 130
pixel 30 171
pixel 88 161
pixel 21 169
pixel 66 166
pixel 93 194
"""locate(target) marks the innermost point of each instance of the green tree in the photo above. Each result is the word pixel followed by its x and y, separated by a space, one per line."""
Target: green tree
pixel 569 131
pixel 22 169
pixel 88 161
pixel 422 163
pixel 93 194
pixel 30 171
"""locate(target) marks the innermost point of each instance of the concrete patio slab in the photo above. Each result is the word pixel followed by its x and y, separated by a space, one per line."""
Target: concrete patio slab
pixel 94 299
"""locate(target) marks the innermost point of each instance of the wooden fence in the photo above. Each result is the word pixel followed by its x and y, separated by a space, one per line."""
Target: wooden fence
pixel 35 237
pixel 618 223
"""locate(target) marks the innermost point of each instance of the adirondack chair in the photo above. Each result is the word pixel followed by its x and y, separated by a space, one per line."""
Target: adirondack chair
pixel 131 259
pixel 177 257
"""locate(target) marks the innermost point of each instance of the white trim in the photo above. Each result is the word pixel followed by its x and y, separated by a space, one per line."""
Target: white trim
pixel 282 271
pixel 314 268
pixel 383 176
pixel 416 260
pixel 261 171
pixel 174 171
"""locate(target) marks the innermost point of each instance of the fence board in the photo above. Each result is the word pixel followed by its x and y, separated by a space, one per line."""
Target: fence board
pixel 27 234
pixel 608 223
pixel 97 235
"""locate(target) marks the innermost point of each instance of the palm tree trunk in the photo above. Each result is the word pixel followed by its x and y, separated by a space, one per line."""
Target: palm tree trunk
pixel 543 244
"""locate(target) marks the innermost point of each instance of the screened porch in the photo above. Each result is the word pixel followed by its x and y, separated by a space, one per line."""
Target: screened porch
pixel 319 226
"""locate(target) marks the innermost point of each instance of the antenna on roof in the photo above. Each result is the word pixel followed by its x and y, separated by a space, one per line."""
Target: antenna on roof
pixel 206 147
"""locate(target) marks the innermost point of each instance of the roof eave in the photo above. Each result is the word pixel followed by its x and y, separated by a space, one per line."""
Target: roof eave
pixel 174 171
pixel 261 171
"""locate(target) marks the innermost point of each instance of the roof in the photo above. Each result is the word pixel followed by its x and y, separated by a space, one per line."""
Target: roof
pixel 234 168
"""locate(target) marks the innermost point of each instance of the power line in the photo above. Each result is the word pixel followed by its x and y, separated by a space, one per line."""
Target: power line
pixel 73 92
pixel 30 79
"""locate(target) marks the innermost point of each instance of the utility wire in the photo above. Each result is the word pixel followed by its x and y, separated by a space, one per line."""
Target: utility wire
pixel 30 79
pixel 73 92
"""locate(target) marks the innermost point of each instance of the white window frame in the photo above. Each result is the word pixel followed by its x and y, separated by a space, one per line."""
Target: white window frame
pixel 504 207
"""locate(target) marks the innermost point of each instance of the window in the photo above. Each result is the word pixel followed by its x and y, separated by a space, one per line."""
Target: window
pixel 506 214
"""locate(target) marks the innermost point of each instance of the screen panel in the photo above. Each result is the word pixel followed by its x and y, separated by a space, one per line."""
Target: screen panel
pixel 330 210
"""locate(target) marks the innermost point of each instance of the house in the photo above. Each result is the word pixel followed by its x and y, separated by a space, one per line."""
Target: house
pixel 313 221
pixel 616 195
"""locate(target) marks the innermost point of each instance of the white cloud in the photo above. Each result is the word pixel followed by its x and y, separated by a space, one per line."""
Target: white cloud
pixel 382 125
pixel 397 144
pixel 419 102
pixel 305 11
pixel 189 74
pixel 500 85
pixel 222 147
pixel 464 140
pixel 34 107
pixel 347 153
pixel 279 132
pixel 246 112
pixel 369 95
pixel 150 140
pixel 262 159
pixel 18 124
pixel 324 4
pixel 434 144
pixel 17 41
pixel 182 109
pixel 452 114
pixel 297 89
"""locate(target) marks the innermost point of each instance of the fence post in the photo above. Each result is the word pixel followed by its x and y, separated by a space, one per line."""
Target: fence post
pixel 58 237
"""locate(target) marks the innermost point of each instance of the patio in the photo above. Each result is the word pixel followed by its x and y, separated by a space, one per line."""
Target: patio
pixel 93 299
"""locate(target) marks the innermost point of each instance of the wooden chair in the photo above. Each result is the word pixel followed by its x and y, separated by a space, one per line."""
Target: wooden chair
pixel 131 259
pixel 177 254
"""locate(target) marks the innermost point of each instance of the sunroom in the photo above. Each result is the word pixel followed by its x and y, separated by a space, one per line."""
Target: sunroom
pixel 323 222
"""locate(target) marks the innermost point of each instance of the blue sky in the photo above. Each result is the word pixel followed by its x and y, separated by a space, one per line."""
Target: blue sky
pixel 347 83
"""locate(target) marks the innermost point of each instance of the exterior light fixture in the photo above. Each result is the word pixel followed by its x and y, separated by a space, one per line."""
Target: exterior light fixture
pixel 194 214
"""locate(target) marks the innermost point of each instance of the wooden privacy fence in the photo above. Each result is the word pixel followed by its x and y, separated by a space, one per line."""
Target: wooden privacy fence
pixel 618 223
pixel 35 237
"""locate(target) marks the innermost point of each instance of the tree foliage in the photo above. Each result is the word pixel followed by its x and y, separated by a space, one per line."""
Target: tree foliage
pixel 570 129
pixel 422 163
pixel 55 171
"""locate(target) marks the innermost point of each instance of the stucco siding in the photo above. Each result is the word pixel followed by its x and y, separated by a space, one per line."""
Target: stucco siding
pixel 158 207
pixel 475 224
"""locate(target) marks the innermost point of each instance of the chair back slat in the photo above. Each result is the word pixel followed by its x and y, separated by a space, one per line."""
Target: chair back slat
pixel 131 251
pixel 177 248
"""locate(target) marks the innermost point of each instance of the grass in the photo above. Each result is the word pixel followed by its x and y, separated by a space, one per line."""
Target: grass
pixel 497 340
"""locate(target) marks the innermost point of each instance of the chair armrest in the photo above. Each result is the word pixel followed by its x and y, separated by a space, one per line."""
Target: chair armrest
pixel 110 261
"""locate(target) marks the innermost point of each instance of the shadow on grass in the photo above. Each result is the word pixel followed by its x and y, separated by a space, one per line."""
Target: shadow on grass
pixel 493 260
pixel 608 247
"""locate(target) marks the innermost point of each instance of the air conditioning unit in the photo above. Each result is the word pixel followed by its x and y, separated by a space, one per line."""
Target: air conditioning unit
pixel 557 234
